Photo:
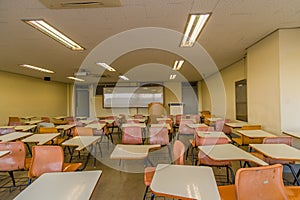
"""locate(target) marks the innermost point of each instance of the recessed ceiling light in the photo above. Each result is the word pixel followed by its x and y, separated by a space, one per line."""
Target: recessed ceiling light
pixel 37 68
pixel 172 76
pixel 178 64
pixel 195 25
pixel 76 79
pixel 52 32
pixel 106 66
pixel 124 77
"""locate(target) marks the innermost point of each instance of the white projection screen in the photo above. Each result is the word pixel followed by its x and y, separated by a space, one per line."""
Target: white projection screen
pixel 132 97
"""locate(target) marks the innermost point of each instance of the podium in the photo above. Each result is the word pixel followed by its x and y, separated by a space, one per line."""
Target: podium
pixel 176 108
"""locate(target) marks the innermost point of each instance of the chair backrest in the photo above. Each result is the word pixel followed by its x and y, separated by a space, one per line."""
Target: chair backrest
pixel 219 124
pixel 83 131
pixel 178 118
pixel 204 141
pixel 132 121
pixel 48 130
pixel 46 119
pixel 278 140
pixel 4 131
pixel 263 183
pixel 15 123
pixel 158 135
pixel 45 124
pixel 14 119
pixel 183 129
pixel 178 152
pixel 251 127
pixel 132 135
pixel 46 159
pixel 196 118
pixel 138 116
pixel 15 160
pixel 70 119
pixel 168 121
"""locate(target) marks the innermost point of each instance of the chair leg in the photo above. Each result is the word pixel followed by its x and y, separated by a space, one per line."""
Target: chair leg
pixel 170 152
pixel 152 196
pixel 146 190
pixel 11 174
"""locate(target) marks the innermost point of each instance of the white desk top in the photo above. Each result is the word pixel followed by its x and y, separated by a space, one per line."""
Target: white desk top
pixel 278 151
pixel 236 124
pixel 163 118
pixel 108 121
pixel 81 141
pixel 295 134
pixel 97 126
pixel 185 181
pixel 214 119
pixel 194 120
pixel 32 122
pixel 66 126
pixel 161 125
pixel 6 127
pixel 196 125
pixel 60 117
pixel 62 186
pixel 255 133
pixel 142 125
pixel 141 120
pixel 28 117
pixel 41 139
pixel 132 152
pixel 87 121
pixel 229 152
pixel 3 153
pixel 14 136
pixel 212 134
pixel 81 117
pixel 24 127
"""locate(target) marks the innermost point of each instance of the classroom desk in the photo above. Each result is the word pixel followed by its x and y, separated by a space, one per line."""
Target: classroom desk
pixel 295 134
pixel 142 125
pixel 65 128
pixel 29 118
pixel 97 126
pixel 279 152
pixel 32 122
pixel 87 121
pixel 133 152
pixel 212 134
pixel 60 117
pixel 3 153
pixel 62 186
pixel 229 152
pixel 196 125
pixel 40 139
pixel 235 125
pixel 161 125
pixel 14 136
pixel 79 143
pixel 185 181
pixel 25 128
pixel 6 127
pixel 252 136
pixel 108 121
pixel 142 120
pixel 163 118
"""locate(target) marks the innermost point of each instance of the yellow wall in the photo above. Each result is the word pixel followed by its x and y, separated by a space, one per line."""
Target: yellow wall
pixel 263 83
pixel 26 96
pixel 289 43
pixel 230 75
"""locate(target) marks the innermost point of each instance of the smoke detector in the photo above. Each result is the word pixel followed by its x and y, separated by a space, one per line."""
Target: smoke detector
pixel 65 4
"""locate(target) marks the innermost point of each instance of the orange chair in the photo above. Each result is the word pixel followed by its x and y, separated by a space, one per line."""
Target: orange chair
pixel 15 160
pixel 207 161
pixel 132 135
pixel 183 129
pixel 14 121
pixel 263 183
pixel 197 141
pixel 159 135
pixel 244 140
pixel 57 140
pixel 178 155
pixel 49 159
pixel 46 119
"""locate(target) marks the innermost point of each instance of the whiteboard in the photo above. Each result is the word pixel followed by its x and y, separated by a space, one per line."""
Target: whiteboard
pixel 132 97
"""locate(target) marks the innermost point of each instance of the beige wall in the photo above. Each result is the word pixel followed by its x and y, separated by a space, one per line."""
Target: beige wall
pixel 289 55
pixel 263 83
pixel 229 76
pixel 26 96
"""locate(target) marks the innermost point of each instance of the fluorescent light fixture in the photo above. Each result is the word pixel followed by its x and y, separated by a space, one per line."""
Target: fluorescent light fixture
pixel 37 68
pixel 172 76
pixel 52 32
pixel 178 64
pixel 75 79
pixel 106 66
pixel 195 25
pixel 124 77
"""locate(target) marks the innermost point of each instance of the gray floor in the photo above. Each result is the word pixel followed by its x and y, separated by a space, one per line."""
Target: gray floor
pixel 119 180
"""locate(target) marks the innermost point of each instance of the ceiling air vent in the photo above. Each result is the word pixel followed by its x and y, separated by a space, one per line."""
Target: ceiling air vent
pixel 65 4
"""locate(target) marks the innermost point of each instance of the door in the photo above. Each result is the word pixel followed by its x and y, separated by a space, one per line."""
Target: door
pixel 190 98
pixel 82 106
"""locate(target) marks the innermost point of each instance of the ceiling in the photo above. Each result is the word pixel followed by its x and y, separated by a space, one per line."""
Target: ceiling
pixel 233 26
